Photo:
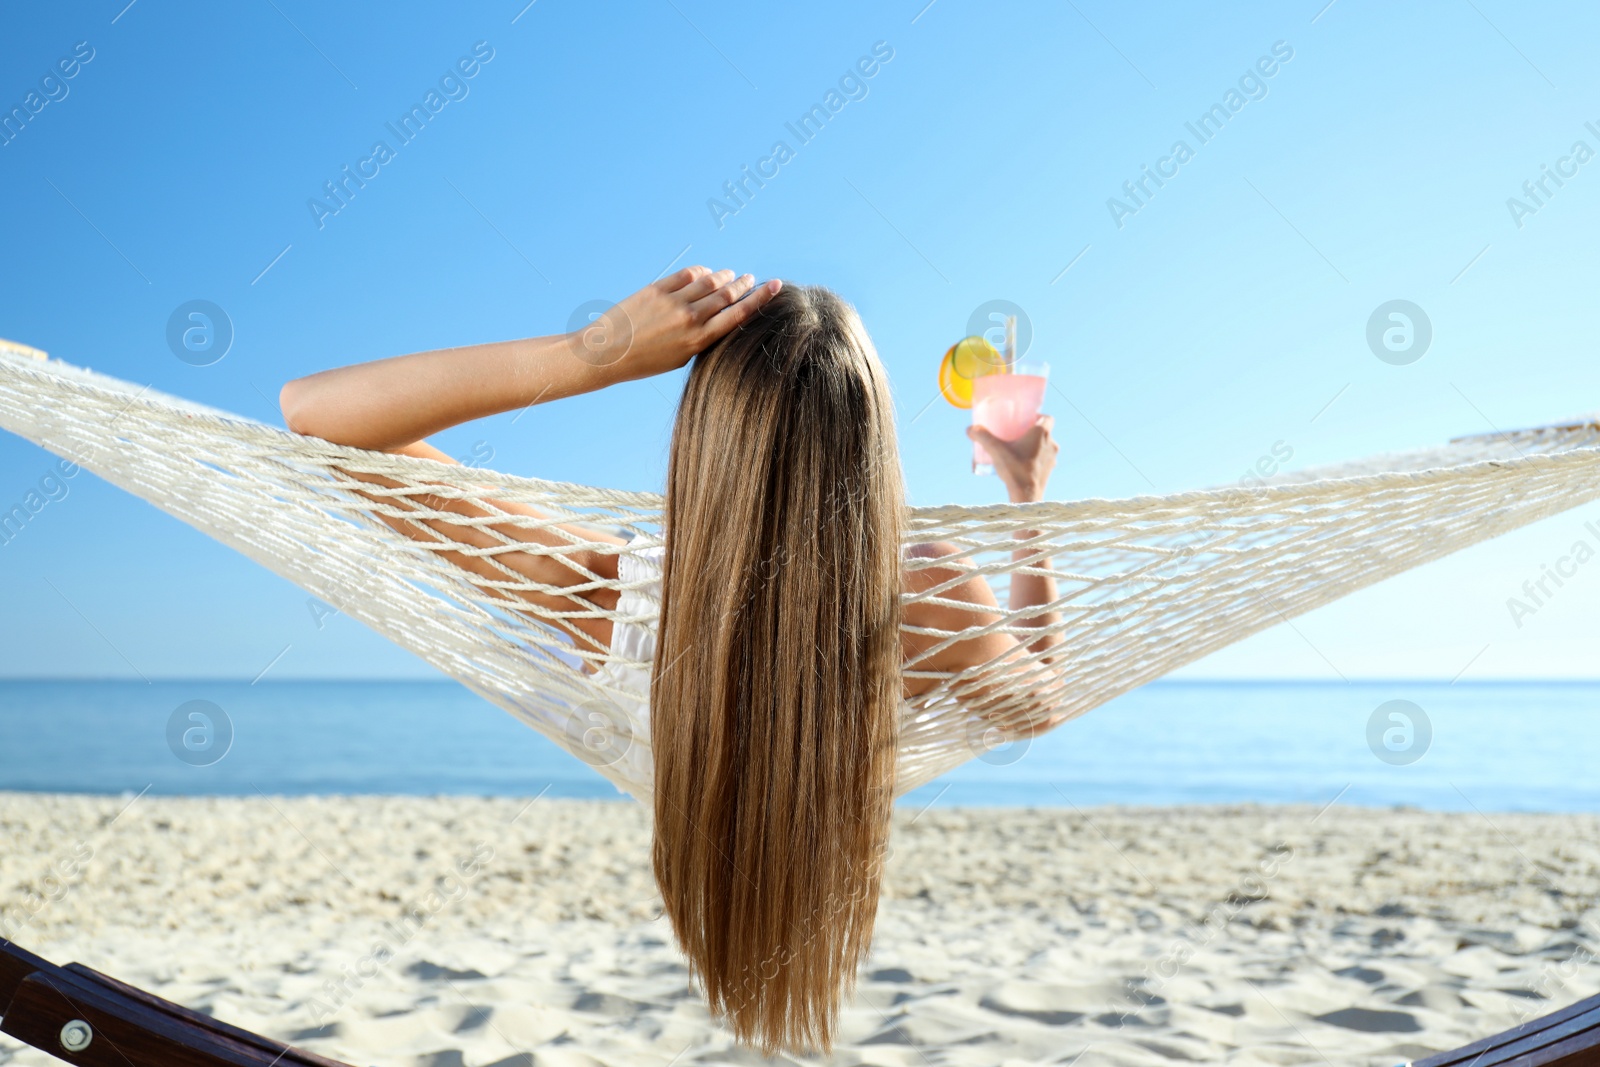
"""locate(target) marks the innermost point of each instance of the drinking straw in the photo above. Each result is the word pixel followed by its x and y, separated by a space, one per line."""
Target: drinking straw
pixel 1011 343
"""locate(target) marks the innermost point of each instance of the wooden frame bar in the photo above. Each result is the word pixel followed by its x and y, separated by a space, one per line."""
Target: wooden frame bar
pixel 126 1027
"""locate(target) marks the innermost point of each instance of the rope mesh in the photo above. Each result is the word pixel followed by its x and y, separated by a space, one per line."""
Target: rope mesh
pixel 1145 584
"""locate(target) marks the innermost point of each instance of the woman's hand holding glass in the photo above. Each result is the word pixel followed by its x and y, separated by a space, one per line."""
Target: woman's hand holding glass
pixel 1024 465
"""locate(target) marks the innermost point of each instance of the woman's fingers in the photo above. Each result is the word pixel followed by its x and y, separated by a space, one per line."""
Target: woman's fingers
pixel 707 291
pixel 1037 437
pixel 990 441
pixel 743 310
pixel 715 301
pixel 1002 452
pixel 678 279
pixel 1029 444
pixel 705 285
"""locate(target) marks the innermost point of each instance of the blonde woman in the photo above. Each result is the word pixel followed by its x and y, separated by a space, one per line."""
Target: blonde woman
pixel 776 689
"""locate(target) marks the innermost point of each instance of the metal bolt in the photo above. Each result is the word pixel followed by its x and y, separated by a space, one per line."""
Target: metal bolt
pixel 76 1035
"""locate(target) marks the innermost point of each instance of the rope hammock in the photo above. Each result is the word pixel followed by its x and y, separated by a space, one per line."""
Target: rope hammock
pixel 1146 584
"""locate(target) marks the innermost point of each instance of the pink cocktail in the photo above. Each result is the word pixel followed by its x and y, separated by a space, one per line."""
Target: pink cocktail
pixel 1006 405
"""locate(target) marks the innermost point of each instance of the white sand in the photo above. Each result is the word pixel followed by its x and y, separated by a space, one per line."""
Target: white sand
pixel 1238 935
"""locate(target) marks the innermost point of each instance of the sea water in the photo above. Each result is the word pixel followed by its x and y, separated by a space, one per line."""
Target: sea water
pixel 1513 746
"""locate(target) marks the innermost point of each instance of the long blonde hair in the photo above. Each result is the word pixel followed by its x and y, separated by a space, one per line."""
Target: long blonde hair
pixel 776 682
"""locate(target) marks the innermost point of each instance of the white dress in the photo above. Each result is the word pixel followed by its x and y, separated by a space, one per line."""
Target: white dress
pixel 634 641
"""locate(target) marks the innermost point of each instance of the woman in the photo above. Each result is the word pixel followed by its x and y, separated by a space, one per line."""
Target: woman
pixel 776 687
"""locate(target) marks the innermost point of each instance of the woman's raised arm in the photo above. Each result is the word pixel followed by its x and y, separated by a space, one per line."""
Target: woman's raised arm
pixel 390 404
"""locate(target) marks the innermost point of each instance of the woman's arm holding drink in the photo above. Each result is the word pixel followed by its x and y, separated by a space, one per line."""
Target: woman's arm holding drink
pixel 1025 465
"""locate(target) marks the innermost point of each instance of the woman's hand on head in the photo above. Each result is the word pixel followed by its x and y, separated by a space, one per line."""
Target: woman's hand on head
pixel 665 324
pixel 1024 465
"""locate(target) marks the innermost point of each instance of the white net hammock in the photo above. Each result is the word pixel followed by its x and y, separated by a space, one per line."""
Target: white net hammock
pixel 1146 584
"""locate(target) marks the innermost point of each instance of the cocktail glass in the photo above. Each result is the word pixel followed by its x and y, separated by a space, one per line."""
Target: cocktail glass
pixel 1006 404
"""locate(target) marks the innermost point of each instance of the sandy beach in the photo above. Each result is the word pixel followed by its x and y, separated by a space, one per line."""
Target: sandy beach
pixel 464 931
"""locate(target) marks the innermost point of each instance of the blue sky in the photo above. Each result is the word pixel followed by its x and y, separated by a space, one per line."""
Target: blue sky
pixel 1224 319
